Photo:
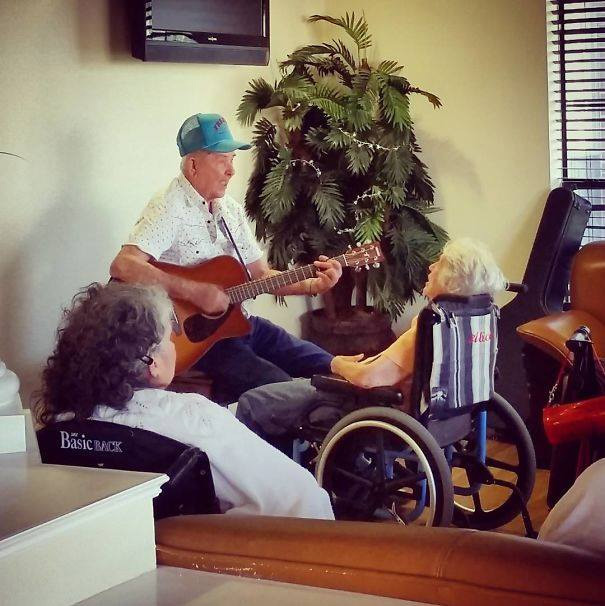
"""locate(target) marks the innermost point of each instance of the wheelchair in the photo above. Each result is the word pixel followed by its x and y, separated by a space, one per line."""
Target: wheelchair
pixel 189 489
pixel 428 461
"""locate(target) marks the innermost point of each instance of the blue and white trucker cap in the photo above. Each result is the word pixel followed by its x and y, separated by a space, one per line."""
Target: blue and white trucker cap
pixel 208 132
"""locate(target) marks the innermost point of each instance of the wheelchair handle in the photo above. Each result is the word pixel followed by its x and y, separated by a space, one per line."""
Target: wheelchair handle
pixel 517 287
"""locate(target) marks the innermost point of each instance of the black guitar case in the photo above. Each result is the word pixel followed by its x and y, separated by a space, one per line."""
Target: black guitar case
pixel 547 275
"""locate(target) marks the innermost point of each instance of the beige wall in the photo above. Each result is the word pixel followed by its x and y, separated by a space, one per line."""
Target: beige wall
pixel 487 147
pixel 96 128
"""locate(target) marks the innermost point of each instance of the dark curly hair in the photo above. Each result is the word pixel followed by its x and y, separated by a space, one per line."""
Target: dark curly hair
pixel 100 343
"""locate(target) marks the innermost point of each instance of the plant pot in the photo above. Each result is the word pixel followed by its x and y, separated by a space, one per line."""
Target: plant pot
pixel 360 331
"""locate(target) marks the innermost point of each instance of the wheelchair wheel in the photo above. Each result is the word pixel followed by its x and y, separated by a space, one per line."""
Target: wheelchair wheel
pixel 380 463
pixel 510 459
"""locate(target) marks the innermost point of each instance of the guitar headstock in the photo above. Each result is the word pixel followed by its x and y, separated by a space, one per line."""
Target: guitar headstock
pixel 363 255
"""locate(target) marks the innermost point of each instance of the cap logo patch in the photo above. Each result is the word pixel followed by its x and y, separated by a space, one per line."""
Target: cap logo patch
pixel 219 123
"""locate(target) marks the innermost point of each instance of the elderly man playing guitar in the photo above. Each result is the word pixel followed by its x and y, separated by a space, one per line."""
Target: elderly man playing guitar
pixel 193 221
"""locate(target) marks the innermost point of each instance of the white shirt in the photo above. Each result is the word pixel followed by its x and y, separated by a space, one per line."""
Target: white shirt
pixel 177 227
pixel 578 519
pixel 250 476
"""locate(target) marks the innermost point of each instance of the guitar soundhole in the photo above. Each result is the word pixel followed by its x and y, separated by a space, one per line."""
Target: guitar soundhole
pixel 197 327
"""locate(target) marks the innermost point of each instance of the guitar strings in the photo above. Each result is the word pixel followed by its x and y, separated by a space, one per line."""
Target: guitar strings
pixel 248 290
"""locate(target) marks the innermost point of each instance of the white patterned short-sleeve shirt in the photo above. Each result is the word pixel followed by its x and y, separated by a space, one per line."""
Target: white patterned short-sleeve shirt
pixel 177 227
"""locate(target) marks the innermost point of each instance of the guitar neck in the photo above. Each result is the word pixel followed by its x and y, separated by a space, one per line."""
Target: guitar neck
pixel 249 290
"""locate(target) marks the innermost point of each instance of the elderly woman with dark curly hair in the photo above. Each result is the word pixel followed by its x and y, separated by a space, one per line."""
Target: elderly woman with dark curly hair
pixel 112 362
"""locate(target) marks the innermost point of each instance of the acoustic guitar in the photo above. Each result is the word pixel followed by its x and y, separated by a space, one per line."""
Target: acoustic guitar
pixel 200 332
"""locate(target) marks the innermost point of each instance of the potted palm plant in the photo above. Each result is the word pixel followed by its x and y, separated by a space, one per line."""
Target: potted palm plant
pixel 337 163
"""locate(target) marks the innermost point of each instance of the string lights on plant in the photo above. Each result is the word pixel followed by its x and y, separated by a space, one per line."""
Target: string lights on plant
pixel 357 213
pixel 362 143
pixel 365 194
pixel 296 161
pixel 310 163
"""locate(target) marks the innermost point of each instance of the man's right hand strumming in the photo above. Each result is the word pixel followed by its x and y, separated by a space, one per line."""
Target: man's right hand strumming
pixel 211 299
pixel 133 265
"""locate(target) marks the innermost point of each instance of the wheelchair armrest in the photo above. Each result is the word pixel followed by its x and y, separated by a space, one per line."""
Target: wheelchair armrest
pixel 333 383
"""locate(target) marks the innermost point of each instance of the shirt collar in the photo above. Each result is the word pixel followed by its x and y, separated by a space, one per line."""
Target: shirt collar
pixel 194 198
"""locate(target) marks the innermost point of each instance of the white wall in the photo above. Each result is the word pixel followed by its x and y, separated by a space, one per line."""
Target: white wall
pixel 97 127
pixel 97 130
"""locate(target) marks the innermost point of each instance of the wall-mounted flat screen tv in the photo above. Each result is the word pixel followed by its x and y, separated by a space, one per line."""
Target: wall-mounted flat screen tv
pixel 205 31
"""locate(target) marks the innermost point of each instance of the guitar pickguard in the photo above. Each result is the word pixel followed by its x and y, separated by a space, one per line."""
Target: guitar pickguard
pixel 198 327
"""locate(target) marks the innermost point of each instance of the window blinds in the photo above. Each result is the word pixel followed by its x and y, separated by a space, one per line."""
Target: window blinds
pixel 576 86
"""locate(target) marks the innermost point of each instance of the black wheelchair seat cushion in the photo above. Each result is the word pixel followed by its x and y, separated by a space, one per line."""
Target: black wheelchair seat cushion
pixel 112 446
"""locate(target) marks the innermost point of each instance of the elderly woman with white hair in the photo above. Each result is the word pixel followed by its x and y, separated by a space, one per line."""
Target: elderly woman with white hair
pixel 466 267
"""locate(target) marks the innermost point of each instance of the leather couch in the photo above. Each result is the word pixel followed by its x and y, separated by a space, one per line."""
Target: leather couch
pixel 449 566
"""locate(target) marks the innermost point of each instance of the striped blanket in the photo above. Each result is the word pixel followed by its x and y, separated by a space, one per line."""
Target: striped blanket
pixel 465 343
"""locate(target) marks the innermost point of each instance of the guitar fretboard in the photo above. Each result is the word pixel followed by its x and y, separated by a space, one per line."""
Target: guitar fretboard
pixel 251 289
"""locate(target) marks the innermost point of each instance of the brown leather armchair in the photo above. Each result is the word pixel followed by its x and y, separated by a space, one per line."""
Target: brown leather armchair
pixel 545 351
pixel 545 338
pixel 449 566
pixel 587 307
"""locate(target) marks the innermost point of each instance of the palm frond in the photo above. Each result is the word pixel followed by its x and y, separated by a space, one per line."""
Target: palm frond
pixel 360 112
pixel 329 100
pixel 434 99
pixel 328 201
pixel 264 145
pixel 263 134
pixel 356 28
pixel 333 65
pixel 419 185
pixel 395 107
pixel 337 139
pixel 361 80
pixel 395 196
pixel 388 68
pixel 296 87
pixel 278 194
pixel 255 98
pixel 369 228
pixel 316 139
pixel 359 158
pixel 397 166
pixel 293 119
pixel 418 217
pixel 305 53
pixel 345 53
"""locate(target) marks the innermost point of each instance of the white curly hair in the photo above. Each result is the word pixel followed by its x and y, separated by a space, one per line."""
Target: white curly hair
pixel 470 269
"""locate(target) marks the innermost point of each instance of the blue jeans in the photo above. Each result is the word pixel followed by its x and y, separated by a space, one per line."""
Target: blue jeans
pixel 268 354
pixel 274 412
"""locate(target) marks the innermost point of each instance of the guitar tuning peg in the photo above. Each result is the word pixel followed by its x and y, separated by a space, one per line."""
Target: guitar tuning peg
pixel 358 244
pixel 367 266
pixel 349 247
pixel 376 265
pixel 357 268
